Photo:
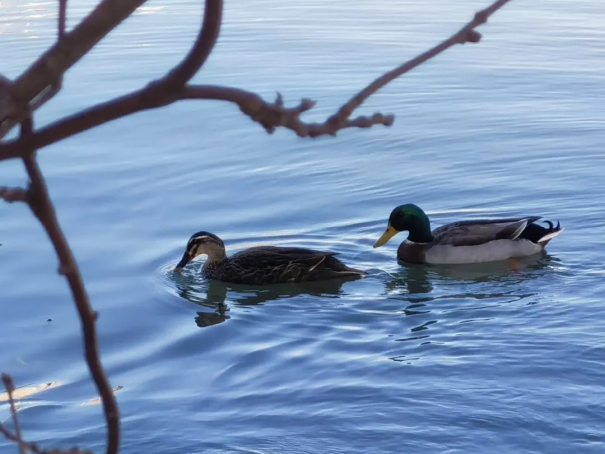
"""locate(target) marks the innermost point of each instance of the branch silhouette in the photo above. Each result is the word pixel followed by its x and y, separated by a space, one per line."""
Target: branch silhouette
pixel 270 115
pixel 20 98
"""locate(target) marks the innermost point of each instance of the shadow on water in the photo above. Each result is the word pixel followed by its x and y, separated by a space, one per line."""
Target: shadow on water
pixel 214 295
pixel 420 279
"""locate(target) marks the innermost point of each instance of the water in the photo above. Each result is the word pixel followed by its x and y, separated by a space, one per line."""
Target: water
pixel 408 359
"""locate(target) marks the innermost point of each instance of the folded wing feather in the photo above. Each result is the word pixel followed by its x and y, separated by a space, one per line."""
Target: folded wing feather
pixel 474 233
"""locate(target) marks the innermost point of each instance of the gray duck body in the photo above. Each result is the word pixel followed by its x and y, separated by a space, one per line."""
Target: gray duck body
pixel 479 241
pixel 472 241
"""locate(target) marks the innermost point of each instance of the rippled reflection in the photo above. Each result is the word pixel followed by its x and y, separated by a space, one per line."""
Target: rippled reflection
pixel 214 295
pixel 409 359
pixel 420 279
pixel 435 294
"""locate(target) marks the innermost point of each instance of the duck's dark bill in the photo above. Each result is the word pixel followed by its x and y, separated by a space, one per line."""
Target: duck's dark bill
pixel 184 261
pixel 389 233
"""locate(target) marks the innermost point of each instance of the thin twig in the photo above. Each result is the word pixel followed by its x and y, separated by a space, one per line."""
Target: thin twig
pixel 466 34
pixel 13 194
pixel 107 15
pixel 42 81
pixel 8 384
pixel 43 209
pixel 269 115
pixel 35 448
pixel 22 444
pixel 32 87
pixel 274 115
pixel 62 18
pixel 206 39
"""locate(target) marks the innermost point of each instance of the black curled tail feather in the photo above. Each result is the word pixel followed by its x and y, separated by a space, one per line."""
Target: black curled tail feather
pixel 534 232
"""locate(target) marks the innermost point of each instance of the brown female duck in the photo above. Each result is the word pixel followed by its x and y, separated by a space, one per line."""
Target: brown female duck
pixel 264 264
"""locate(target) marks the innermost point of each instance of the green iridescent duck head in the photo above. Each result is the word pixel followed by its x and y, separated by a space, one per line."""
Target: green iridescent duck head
pixel 409 218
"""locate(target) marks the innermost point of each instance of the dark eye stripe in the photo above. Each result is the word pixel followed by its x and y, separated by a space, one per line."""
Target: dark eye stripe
pixel 198 240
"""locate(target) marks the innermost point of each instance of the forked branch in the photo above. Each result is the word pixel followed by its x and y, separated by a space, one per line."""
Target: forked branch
pixel 42 207
pixel 38 199
pixel 38 84
pixel 32 88
pixel 13 194
pixel 270 115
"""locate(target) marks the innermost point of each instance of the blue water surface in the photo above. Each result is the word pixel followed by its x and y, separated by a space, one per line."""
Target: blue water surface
pixel 407 360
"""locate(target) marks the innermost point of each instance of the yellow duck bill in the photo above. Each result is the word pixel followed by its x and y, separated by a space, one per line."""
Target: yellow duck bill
pixel 389 233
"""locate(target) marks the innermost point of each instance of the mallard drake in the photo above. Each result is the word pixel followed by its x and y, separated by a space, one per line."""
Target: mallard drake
pixel 264 264
pixel 472 241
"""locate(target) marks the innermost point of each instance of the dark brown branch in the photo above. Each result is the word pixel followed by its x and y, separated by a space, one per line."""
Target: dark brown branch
pixel 269 115
pixel 33 85
pixel 62 56
pixel 10 436
pixel 25 446
pixel 13 194
pixel 274 115
pixel 49 69
pixel 49 92
pixel 62 18
pixel 156 94
pixel 206 39
pixel 466 34
pixel 22 444
pixel 42 207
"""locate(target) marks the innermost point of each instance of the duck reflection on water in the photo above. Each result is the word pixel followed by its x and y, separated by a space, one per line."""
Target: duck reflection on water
pixel 217 294
pixel 430 294
pixel 414 283
pixel 420 279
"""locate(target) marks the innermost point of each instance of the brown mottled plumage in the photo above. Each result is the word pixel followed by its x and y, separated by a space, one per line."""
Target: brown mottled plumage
pixel 264 264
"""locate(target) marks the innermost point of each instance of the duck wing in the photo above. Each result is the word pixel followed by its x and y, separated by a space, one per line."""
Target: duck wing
pixel 477 232
pixel 271 264
pixel 276 256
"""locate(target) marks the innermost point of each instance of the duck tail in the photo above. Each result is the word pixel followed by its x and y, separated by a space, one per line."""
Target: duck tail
pixel 539 234
pixel 550 233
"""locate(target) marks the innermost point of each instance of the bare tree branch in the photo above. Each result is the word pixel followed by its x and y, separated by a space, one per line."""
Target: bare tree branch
pixel 39 83
pixel 13 194
pixel 42 207
pixel 269 115
pixel 8 384
pixel 49 92
pixel 466 34
pixel 62 18
pixel 62 56
pixel 45 72
pixel 49 69
pixel 206 39
pixel 274 115
pixel 24 446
